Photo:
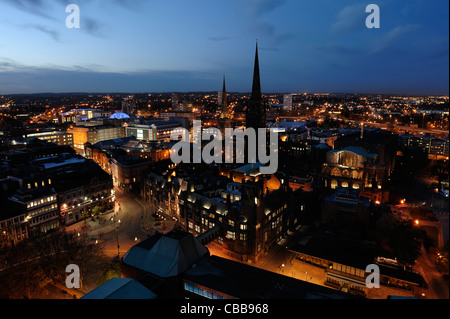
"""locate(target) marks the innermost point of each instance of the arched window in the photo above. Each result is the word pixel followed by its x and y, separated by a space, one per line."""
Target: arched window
pixel 334 184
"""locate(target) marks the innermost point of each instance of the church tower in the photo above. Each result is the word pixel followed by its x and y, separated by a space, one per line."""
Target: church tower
pixel 225 110
pixel 225 115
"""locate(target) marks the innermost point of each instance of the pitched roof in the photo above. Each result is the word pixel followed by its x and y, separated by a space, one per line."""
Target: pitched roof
pixel 166 255
pixel 120 288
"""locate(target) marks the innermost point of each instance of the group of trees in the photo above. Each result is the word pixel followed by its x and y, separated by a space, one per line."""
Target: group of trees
pixel 35 267
pixel 401 238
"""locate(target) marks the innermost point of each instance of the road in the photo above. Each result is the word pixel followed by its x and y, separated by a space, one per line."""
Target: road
pixel 131 214
pixel 117 232
pixel 437 287
pixel 278 256
pixel 400 128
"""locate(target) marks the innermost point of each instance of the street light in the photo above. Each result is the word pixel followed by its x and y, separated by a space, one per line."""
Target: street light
pixel 117 237
pixel 286 254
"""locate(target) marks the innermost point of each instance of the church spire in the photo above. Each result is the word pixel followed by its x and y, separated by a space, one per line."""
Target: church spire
pixel 256 90
pixel 225 111
pixel 256 113
pixel 224 98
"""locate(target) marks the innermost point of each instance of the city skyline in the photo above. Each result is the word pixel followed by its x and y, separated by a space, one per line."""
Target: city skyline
pixel 314 47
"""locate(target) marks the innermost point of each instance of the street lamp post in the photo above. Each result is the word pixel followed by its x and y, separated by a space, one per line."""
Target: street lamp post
pixel 117 237
pixel 285 258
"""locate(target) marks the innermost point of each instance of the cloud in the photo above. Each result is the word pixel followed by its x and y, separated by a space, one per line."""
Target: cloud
pixel 58 79
pixel 92 26
pixel 348 19
pixel 219 38
pixel 266 31
pixel 129 4
pixel 338 49
pixel 41 28
pixel 35 7
pixel 260 7
pixel 392 37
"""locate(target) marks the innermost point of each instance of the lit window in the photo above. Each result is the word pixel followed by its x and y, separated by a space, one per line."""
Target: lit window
pixel 231 234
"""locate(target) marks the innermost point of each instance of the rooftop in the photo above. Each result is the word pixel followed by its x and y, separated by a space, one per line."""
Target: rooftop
pixel 119 116
pixel 120 288
pixel 166 255
pixel 243 281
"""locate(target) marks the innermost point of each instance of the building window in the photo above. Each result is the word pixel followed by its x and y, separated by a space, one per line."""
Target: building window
pixel 334 184
pixel 231 234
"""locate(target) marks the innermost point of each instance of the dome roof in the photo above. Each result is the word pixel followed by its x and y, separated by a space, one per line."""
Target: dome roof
pixel 119 116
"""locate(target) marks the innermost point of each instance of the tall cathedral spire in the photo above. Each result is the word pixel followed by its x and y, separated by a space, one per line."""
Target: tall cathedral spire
pixel 226 111
pixel 256 113
pixel 256 90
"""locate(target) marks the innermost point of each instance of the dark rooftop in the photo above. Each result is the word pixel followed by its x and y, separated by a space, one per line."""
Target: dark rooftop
pixel 246 282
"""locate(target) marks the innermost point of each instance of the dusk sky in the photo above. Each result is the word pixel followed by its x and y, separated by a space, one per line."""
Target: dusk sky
pixel 137 46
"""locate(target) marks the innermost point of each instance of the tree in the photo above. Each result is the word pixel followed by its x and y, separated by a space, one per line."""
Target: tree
pixel 401 238
pixel 44 258
pixel 96 211
pixel 406 242
pixel 29 281
pixel 112 270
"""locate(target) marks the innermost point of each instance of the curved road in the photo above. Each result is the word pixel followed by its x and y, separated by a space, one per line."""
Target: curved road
pixel 131 214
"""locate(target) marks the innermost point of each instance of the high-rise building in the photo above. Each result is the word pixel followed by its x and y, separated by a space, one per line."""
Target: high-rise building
pixel 129 106
pixel 176 101
pixel 287 102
